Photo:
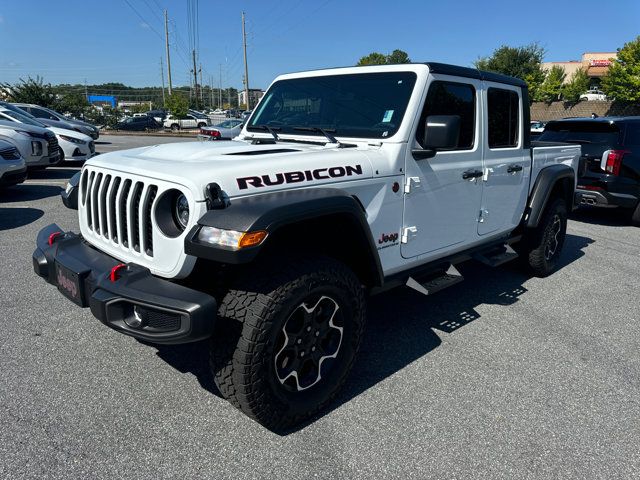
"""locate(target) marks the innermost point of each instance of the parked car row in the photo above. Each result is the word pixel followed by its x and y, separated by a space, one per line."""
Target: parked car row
pixel 34 137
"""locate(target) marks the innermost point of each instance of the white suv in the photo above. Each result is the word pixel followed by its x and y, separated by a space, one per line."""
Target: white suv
pixel 593 94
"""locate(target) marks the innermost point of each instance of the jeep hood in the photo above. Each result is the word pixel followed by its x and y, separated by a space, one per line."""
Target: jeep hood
pixel 241 168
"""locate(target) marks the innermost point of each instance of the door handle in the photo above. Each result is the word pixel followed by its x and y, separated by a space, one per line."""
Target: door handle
pixel 471 174
pixel 514 168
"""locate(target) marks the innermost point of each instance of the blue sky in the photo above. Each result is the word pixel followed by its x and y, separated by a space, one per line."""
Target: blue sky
pixel 102 41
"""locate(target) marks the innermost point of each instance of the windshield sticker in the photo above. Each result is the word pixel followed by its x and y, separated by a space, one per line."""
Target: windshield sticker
pixel 387 116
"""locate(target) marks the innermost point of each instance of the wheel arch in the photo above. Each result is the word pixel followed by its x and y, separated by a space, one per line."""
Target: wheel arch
pixel 327 221
pixel 553 181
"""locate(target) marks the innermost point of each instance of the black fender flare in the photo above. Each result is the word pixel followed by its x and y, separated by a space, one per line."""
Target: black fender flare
pixel 273 211
pixel 543 187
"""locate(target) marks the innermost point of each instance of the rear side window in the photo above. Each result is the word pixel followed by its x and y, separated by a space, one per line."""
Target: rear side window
pixel 504 118
pixel 450 98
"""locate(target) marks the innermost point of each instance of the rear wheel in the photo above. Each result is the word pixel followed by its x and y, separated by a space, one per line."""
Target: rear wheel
pixel 542 246
pixel 291 339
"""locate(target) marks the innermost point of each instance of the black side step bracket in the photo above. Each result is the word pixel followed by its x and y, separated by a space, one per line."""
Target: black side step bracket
pixel 496 258
pixel 451 277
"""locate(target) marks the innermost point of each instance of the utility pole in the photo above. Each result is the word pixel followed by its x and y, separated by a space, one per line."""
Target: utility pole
pixel 220 87
pixel 86 95
pixel 164 101
pixel 195 78
pixel 201 88
pixel 211 90
pixel 166 37
pixel 246 68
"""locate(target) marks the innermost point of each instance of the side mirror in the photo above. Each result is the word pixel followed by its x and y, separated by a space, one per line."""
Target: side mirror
pixel 441 132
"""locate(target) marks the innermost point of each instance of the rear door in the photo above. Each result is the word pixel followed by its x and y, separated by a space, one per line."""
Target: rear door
pixel 441 207
pixel 507 165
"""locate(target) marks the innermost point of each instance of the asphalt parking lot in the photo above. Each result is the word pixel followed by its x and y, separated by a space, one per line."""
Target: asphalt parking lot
pixel 501 376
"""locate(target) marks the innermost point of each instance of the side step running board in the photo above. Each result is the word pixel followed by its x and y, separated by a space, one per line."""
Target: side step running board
pixel 494 259
pixel 451 277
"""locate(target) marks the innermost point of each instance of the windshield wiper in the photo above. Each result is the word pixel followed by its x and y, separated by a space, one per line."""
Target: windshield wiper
pixel 269 129
pixel 324 132
pixel 581 142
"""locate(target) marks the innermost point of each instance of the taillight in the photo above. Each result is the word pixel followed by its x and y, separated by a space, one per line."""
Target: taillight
pixel 612 161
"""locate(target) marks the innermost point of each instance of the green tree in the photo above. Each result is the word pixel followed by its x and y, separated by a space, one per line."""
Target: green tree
pixel 177 104
pixel 578 84
pixel 520 62
pixel 551 88
pixel 74 103
pixel 398 56
pixel 622 81
pixel 374 58
pixel 31 90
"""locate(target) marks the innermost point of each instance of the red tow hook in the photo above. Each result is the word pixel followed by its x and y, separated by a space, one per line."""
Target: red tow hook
pixel 114 275
pixel 53 236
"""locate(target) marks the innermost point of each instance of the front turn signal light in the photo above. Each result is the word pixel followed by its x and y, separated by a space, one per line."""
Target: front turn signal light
pixel 251 239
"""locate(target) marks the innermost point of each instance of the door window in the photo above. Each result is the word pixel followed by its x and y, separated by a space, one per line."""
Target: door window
pixel 504 118
pixel 450 98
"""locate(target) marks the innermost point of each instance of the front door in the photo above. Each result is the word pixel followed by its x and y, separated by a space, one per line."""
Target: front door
pixel 443 193
pixel 507 165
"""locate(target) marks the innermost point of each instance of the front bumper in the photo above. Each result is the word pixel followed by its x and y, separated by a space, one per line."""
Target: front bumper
pixel 13 177
pixel 136 304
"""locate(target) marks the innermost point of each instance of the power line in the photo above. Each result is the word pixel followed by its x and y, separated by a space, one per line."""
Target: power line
pixel 143 19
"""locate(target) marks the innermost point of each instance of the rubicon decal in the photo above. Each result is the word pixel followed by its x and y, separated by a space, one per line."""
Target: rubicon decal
pixel 297 176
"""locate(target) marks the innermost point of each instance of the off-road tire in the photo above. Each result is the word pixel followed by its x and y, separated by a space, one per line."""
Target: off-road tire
pixel 541 247
pixel 252 315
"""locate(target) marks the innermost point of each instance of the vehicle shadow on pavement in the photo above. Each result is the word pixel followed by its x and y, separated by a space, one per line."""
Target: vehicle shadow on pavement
pixel 18 217
pixel 614 217
pixel 28 192
pixel 56 172
pixel 401 325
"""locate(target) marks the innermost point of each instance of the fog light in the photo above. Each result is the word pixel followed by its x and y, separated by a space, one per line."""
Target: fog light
pixel 36 148
pixel 136 320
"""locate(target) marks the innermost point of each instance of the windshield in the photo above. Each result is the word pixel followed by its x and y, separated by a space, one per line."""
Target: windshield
pixel 595 137
pixel 369 105
pixel 22 118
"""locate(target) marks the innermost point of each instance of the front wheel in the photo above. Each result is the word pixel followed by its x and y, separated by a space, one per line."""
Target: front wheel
pixel 175 127
pixel 298 332
pixel 542 246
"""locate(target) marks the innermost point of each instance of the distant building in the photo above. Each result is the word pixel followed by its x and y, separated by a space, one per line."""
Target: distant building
pixel 255 94
pixel 596 64
pixel 102 100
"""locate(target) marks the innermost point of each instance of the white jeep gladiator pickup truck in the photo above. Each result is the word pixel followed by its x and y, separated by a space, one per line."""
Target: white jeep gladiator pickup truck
pixel 343 183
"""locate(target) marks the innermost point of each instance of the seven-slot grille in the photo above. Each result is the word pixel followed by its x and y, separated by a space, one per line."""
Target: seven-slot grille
pixel 119 209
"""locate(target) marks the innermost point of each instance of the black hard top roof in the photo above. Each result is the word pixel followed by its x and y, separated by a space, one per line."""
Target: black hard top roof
pixel 447 69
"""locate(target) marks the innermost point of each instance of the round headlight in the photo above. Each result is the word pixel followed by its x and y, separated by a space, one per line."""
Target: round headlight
pixel 181 211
